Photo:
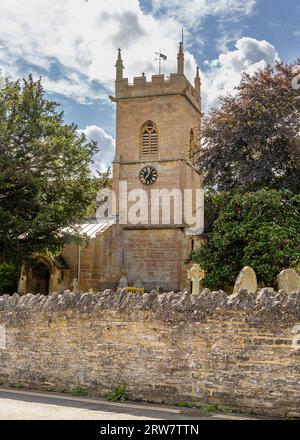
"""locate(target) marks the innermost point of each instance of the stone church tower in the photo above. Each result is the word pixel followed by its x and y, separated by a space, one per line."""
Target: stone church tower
pixel 157 146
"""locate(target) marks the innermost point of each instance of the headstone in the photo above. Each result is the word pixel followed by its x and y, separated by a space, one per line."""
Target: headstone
pixel 289 281
pixel 196 275
pixel 22 286
pixel 74 285
pixel 246 280
pixel 123 282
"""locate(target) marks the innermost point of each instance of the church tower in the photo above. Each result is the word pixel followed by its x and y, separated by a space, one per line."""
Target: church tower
pixel 157 148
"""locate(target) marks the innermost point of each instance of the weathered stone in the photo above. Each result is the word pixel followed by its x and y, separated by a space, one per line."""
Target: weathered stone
pixel 195 275
pixel 289 281
pixel 198 346
pixel 246 281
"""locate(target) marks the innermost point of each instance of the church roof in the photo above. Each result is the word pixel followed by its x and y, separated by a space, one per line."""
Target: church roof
pixel 89 229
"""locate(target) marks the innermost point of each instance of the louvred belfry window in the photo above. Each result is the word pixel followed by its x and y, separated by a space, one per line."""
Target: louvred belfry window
pixel 149 140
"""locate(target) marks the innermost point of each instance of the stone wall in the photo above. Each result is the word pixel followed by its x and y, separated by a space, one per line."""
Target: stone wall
pixel 241 351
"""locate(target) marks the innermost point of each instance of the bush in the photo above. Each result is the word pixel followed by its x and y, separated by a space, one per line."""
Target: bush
pixel 9 275
pixel 259 229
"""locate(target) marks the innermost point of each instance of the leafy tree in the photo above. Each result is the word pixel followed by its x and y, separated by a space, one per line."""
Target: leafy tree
pixel 259 229
pixel 45 182
pixel 252 140
pixel 8 278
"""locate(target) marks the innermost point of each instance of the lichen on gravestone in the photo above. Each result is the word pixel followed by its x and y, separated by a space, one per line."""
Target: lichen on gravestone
pixel 289 280
pixel 246 280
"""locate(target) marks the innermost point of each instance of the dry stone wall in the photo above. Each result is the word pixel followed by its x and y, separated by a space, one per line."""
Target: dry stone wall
pixel 241 351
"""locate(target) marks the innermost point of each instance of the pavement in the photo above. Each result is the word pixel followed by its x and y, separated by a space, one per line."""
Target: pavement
pixel 30 405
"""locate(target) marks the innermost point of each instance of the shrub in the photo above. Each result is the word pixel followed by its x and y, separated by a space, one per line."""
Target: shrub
pixel 8 278
pixel 259 229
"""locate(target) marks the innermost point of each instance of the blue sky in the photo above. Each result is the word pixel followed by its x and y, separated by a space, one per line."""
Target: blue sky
pixel 72 44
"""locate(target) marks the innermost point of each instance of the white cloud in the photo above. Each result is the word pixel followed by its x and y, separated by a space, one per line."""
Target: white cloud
pixel 224 73
pixel 192 12
pixel 106 143
pixel 81 38
pixel 75 43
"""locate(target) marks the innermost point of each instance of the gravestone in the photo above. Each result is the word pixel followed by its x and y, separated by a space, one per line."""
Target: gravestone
pixel 123 282
pixel 196 275
pixel 289 281
pixel 74 285
pixel 246 280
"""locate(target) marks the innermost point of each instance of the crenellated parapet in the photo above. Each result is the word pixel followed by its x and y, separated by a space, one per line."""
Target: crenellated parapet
pixel 159 85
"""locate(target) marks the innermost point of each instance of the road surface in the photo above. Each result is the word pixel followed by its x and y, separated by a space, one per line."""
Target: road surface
pixel 28 405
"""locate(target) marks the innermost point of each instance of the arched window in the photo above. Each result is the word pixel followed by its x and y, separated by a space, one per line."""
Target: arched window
pixel 149 140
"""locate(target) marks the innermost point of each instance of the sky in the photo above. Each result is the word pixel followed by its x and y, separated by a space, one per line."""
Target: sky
pixel 72 45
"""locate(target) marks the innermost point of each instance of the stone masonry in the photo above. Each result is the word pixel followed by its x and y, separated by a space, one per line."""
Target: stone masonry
pixel 241 351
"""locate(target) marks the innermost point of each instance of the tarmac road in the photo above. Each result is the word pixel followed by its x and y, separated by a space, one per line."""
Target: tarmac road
pixel 28 405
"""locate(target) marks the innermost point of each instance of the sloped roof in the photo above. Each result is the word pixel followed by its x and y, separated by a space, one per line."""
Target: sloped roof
pixel 89 229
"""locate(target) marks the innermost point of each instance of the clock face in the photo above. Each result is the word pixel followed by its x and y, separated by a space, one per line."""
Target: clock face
pixel 148 175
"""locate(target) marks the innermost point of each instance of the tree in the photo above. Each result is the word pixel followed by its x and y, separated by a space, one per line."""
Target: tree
pixel 45 182
pixel 259 229
pixel 8 278
pixel 252 140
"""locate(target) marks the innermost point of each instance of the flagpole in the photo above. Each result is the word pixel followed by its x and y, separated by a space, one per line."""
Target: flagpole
pixel 159 68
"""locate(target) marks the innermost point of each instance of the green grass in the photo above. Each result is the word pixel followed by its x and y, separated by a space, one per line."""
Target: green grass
pixel 18 386
pixel 118 394
pixel 79 391
pixel 203 407
pixel 49 389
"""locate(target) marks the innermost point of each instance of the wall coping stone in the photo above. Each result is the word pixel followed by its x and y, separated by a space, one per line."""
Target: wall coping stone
pixel 265 303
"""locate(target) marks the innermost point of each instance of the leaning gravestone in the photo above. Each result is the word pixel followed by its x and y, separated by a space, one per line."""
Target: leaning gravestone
pixel 289 281
pixel 246 280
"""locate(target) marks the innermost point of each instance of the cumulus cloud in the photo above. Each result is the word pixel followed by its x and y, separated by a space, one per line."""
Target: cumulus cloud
pixel 106 143
pixel 223 74
pixel 192 12
pixel 83 37
pixel 73 43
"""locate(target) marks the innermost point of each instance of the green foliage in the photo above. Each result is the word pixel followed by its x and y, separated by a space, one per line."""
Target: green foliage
pixel 45 182
pixel 49 389
pixel 118 394
pixel 252 140
pixel 203 407
pixel 79 391
pixel 19 386
pixel 9 275
pixel 259 229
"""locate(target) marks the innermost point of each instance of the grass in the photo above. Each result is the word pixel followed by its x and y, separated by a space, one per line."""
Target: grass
pixel 18 386
pixel 118 394
pixel 79 391
pixel 49 389
pixel 203 407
